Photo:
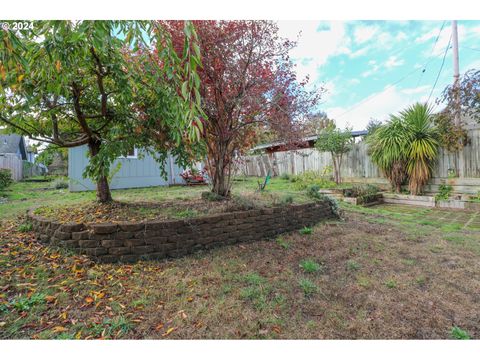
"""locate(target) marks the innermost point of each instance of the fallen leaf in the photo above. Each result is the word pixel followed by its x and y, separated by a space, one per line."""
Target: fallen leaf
pixel 168 332
pixel 50 298
pixel 89 300
pixel 276 329
pixel 159 326
pixel 57 329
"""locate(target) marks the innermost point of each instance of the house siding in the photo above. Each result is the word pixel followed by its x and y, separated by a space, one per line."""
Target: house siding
pixel 134 172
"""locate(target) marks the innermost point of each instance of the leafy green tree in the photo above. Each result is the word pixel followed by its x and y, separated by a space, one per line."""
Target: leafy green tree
pixel 110 85
pixel 372 126
pixel 337 142
pixel 47 155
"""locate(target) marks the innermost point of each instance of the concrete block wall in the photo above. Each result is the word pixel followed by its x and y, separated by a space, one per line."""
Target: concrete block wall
pixel 158 239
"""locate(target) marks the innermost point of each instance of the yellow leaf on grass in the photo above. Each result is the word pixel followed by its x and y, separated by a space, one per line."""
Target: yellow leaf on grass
pixel 98 294
pixel 159 326
pixel 89 300
pixel 57 329
pixel 50 298
pixel 168 332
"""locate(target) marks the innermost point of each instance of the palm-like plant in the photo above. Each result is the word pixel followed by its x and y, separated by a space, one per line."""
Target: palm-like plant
pixel 422 145
pixel 387 150
pixel 406 147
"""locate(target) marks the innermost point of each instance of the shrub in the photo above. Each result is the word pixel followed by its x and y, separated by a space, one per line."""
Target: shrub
pixel 243 203
pixel 361 190
pixel 313 192
pixel 60 183
pixel 309 178
pixel 211 196
pixel 5 178
pixel 285 177
pixel 444 192
pixel 287 200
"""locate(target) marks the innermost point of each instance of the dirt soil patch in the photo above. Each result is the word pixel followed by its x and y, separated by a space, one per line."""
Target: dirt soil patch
pixel 374 276
pixel 118 211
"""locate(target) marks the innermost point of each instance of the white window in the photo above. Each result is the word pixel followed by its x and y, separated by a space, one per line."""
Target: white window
pixel 132 154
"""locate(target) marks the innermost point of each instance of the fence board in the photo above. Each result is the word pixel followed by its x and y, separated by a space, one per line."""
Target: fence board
pixel 12 162
pixel 357 165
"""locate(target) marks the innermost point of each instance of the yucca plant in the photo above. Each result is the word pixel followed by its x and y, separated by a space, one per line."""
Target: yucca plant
pixel 406 147
pixel 387 147
pixel 422 145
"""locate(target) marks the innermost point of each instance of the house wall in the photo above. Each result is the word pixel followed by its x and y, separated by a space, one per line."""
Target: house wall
pixel 133 173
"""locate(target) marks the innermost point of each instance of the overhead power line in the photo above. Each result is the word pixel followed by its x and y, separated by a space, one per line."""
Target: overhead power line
pixel 431 52
pixel 387 87
pixel 441 68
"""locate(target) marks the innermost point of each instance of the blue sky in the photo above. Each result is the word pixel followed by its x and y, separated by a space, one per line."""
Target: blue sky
pixel 374 68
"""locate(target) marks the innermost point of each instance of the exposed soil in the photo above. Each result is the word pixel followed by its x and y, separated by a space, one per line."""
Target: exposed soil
pixel 117 211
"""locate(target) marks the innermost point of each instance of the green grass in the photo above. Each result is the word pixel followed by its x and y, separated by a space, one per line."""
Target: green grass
pixel 308 287
pixel 25 227
pixel 391 284
pixel 25 303
pixel 306 230
pixel 459 334
pixel 282 242
pixel 352 265
pixel 310 266
pixel 451 227
pixel 22 196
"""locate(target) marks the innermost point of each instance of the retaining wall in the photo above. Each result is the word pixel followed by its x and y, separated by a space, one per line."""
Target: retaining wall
pixel 129 242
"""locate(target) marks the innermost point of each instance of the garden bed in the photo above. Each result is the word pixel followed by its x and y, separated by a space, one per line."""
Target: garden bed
pixel 402 199
pixel 159 238
pixel 365 200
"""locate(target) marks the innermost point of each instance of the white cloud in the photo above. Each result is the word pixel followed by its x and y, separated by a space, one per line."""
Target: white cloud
pixel 443 40
pixel 393 61
pixel 378 106
pixel 417 90
pixel 363 34
pixel 373 69
pixel 316 46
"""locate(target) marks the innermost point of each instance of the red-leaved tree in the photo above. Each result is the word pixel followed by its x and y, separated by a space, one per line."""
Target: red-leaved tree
pixel 247 85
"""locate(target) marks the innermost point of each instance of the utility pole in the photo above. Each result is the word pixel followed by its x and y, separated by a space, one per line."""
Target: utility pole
pixel 456 71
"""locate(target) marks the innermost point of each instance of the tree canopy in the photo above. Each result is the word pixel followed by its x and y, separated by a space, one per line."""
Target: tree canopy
pixel 247 85
pixel 110 85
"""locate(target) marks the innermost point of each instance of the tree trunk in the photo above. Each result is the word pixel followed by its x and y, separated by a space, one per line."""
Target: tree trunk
pixel 220 161
pixel 103 189
pixel 336 169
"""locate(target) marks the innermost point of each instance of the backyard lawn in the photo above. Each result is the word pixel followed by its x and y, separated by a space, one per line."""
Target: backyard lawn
pixel 382 272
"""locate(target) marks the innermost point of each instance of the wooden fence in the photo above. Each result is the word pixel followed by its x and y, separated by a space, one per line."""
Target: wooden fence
pixel 12 162
pixel 20 168
pixel 358 167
